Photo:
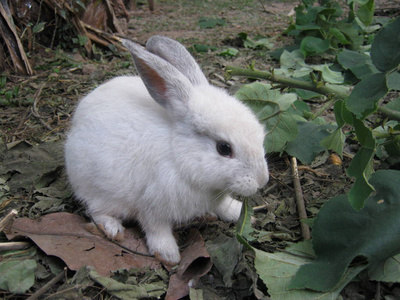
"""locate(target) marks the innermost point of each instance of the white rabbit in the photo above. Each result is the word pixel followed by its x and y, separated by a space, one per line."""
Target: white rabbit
pixel 163 148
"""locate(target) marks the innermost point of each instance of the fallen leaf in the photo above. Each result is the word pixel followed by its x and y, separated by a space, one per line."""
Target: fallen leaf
pixel 17 276
pixel 195 263
pixel 67 236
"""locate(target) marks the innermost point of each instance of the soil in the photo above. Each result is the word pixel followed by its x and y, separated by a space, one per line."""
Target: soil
pixel 41 106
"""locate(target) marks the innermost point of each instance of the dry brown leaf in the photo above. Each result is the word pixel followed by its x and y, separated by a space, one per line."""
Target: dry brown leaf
pixel 195 263
pixel 67 236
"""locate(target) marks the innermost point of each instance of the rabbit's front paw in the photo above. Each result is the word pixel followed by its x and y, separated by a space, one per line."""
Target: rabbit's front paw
pixel 163 245
pixel 112 227
pixel 229 209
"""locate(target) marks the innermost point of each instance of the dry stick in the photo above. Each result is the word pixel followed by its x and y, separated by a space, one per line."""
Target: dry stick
pixel 35 111
pixel 301 208
pixel 265 9
pixel 8 219
pixel 14 246
pixel 48 285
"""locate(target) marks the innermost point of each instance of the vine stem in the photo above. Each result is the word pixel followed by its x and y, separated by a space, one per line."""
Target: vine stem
pixel 290 82
pixel 309 86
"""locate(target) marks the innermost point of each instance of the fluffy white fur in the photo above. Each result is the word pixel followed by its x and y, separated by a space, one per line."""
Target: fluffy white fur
pixel 144 148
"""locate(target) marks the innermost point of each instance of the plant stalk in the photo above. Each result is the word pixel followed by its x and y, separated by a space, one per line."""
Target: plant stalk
pixel 301 207
pixel 290 82
pixel 294 83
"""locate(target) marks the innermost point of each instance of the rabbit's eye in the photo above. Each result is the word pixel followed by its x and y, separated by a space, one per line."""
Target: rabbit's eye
pixel 224 148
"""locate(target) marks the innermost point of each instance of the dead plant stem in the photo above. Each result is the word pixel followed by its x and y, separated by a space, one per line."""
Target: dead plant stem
pixel 48 285
pixel 301 208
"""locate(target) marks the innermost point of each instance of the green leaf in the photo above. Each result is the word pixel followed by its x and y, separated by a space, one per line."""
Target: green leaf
pixel 335 141
pixel 225 253
pixel 195 294
pixel 17 276
pixel 361 165
pixel 277 270
pixel 328 75
pixel 385 49
pixel 81 4
pixel 393 81
pixel 203 48
pixel 350 30
pixel 230 52
pixel 348 58
pixel 293 64
pixel 63 13
pixel 339 35
pixel 387 271
pixel 271 107
pixel 366 12
pixel 307 144
pixel 38 27
pixel 340 234
pixel 129 291
pixel 311 46
pixel 364 98
pixel 205 23
pixel 358 63
pixel 394 104
pixel 243 226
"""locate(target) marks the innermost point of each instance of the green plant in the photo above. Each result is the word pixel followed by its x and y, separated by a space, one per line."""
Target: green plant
pixel 357 226
pixel 318 29
pixel 284 114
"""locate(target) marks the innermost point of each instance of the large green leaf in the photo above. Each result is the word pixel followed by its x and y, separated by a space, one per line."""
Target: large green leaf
pixel 385 49
pixel 340 234
pixel 358 63
pixel 307 145
pixel 277 270
pixel 271 107
pixel 364 98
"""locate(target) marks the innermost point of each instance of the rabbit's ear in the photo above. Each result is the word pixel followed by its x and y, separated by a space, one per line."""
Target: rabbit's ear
pixel 177 55
pixel 166 85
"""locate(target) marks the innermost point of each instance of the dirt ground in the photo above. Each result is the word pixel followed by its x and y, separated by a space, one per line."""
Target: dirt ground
pixel 43 104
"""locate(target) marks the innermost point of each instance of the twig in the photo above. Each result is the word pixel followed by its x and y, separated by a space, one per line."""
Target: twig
pixel 265 9
pixel 8 219
pixel 301 209
pixel 378 291
pixel 34 107
pixel 48 285
pixel 14 246
pixel 306 168
pixel 260 207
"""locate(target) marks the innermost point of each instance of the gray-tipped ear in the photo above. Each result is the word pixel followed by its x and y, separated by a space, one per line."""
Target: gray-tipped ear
pixel 177 55
pixel 166 85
